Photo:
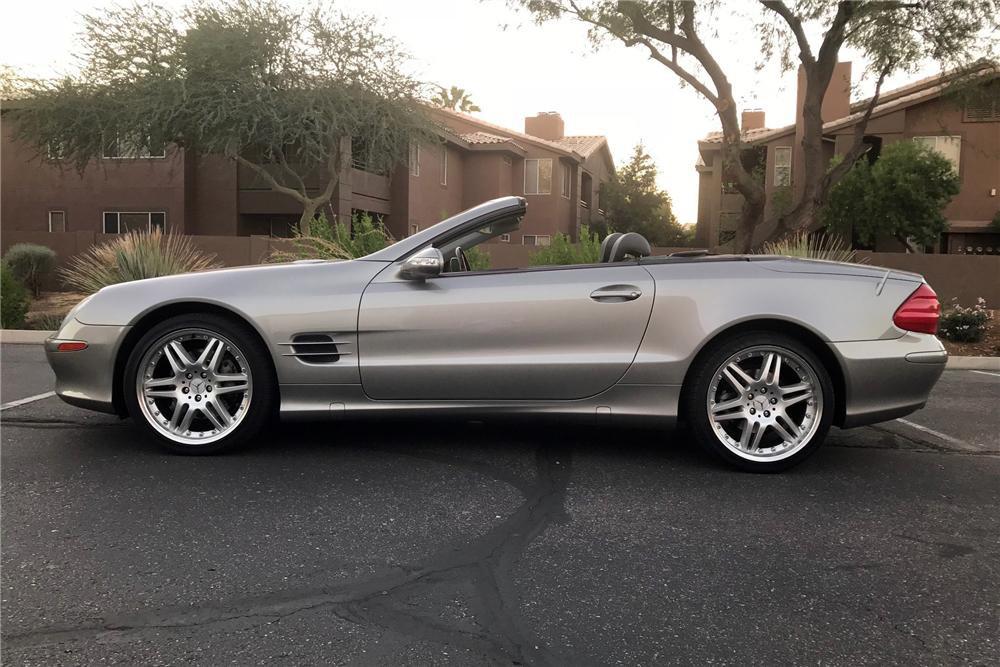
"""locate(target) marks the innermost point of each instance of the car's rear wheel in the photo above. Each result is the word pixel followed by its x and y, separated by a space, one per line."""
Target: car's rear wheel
pixel 760 401
pixel 200 384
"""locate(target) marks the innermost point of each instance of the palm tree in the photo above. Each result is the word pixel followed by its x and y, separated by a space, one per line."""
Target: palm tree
pixel 455 99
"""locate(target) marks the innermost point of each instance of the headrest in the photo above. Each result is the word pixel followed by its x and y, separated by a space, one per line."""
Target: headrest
pixel 631 244
pixel 606 244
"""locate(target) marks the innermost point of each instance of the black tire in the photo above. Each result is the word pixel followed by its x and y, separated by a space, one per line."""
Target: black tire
pixel 700 383
pixel 263 398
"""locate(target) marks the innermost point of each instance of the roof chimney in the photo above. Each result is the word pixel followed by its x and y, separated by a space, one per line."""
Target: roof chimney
pixel 753 119
pixel 545 125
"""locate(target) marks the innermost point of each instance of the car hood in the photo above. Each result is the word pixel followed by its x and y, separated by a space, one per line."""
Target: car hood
pixel 235 288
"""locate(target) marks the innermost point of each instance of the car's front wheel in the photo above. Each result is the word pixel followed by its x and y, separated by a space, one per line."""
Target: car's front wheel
pixel 200 383
pixel 761 401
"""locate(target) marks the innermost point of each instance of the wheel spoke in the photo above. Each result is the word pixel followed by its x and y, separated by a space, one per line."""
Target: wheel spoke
pixel 185 424
pixel 747 432
pixel 788 436
pixel 210 416
pixel 727 405
pixel 737 377
pixel 795 388
pixel 213 344
pixel 788 402
pixel 767 366
pixel 178 414
pixel 218 391
pixel 755 442
pixel 231 377
pixel 159 387
pixel 175 363
pixel 219 408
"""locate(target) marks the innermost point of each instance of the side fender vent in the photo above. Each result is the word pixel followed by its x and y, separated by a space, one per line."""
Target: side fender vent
pixel 316 348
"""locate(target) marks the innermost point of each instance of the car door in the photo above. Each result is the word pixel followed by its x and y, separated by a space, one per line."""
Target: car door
pixel 534 334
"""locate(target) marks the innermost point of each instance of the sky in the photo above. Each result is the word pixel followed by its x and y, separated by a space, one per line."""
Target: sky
pixel 513 68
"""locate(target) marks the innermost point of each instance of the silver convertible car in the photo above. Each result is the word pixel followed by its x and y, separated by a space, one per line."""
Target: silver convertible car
pixel 759 355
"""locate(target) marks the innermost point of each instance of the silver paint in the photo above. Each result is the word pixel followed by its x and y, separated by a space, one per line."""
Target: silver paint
pixel 610 338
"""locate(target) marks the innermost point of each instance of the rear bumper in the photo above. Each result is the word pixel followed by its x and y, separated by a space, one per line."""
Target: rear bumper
pixel 886 379
pixel 85 378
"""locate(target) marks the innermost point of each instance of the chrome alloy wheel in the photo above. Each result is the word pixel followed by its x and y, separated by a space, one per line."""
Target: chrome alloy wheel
pixel 765 403
pixel 194 386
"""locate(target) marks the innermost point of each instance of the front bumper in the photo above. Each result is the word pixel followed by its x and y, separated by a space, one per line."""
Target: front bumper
pixel 886 379
pixel 85 378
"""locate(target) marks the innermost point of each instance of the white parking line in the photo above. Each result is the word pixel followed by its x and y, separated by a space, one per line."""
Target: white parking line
pixel 30 399
pixel 996 375
pixel 937 434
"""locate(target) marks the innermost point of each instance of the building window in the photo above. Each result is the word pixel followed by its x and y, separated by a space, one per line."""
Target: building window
pixel 505 238
pixel 949 148
pixel 567 184
pixel 536 239
pixel 538 177
pixel 414 228
pixel 57 221
pixel 782 166
pixel 122 222
pixel 444 165
pixel 122 147
pixel 414 159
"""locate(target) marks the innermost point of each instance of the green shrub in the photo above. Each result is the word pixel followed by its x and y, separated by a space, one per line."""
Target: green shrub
pixel 13 300
pixel 561 251
pixel 479 259
pixel 336 241
pixel 135 256
pixel 800 244
pixel 964 325
pixel 30 263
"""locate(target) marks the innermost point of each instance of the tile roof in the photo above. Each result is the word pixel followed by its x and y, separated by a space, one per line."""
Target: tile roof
pixel 584 144
pixel 749 135
pixel 513 134
pixel 890 100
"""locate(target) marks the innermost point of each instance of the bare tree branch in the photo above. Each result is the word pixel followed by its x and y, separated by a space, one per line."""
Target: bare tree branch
pixel 795 24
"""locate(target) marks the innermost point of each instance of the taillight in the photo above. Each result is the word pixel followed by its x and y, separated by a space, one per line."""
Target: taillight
pixel 920 312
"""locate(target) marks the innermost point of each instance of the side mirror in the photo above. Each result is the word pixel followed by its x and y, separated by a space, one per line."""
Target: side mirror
pixel 428 263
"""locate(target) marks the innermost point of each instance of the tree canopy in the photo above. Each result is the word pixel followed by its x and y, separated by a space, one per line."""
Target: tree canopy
pixel 888 35
pixel 632 202
pixel 456 99
pixel 279 90
pixel 902 196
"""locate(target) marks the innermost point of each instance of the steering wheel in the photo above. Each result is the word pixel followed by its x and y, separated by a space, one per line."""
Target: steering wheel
pixel 463 261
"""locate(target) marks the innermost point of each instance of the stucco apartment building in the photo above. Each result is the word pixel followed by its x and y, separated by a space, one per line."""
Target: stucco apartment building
pixel 473 161
pixel 967 134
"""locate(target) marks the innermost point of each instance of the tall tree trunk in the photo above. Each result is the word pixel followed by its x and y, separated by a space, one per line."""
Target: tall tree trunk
pixel 309 208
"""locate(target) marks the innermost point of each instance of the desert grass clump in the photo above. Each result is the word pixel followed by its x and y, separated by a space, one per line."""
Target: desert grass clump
pixel 135 256
pixel 801 244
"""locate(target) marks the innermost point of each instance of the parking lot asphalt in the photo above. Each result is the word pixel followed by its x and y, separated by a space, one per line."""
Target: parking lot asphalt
pixel 498 543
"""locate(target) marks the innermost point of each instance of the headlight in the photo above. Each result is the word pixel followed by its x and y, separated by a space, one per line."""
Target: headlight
pixel 73 311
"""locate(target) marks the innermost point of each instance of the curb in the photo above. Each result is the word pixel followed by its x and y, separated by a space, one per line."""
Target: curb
pixel 30 337
pixel 973 363
pixel 24 336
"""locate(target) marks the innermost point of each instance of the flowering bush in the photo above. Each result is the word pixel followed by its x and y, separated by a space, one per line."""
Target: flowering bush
pixel 964 325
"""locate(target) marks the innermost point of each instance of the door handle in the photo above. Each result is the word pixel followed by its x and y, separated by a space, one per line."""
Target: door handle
pixel 616 293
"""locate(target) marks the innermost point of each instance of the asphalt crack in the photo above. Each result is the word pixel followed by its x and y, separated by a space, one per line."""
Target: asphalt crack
pixel 483 565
